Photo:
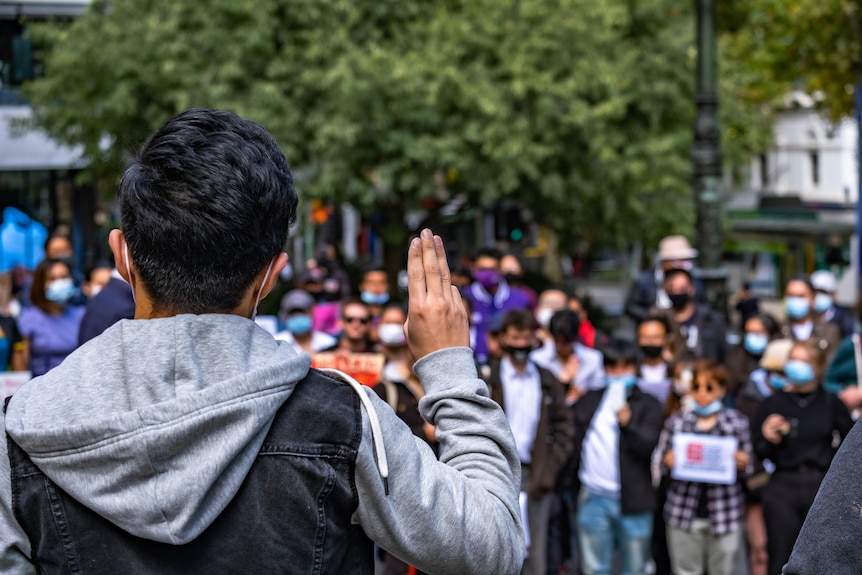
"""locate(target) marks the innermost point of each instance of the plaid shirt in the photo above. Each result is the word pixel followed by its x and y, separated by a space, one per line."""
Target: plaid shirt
pixel 726 503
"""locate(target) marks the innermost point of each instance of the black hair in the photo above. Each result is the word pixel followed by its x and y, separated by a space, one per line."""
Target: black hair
pixel 461 270
pixel 657 318
pixel 99 265
pixel 487 252
pixel 565 324
pixel 205 206
pixel 769 323
pixel 56 235
pixel 371 269
pixel 40 281
pixel 617 349
pixel 803 279
pixel 349 301
pixel 519 319
pixel 677 271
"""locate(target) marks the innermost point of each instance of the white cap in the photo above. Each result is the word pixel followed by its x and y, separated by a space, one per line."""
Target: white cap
pixel 824 280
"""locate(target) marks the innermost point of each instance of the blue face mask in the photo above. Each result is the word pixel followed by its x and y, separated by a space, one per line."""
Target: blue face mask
pixel 298 324
pixel 60 291
pixel 628 380
pixel 798 372
pixel 707 410
pixel 797 307
pixel 822 302
pixel 374 298
pixel 755 343
pixel 777 382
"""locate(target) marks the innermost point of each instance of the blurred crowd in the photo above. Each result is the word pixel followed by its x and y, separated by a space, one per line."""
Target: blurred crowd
pixel 608 428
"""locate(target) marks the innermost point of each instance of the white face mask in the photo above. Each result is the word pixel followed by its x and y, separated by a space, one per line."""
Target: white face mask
pixel 544 315
pixel 391 334
pixel 260 290
pixel 129 271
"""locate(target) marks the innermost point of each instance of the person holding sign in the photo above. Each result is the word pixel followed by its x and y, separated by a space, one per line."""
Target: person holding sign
pixel 706 450
pixel 798 428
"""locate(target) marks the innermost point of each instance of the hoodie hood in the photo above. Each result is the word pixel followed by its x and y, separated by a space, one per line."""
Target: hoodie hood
pixel 155 424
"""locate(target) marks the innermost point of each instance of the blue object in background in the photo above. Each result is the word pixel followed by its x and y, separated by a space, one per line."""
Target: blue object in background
pixel 22 240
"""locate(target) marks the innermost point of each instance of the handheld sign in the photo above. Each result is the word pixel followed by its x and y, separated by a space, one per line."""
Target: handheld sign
pixel 366 368
pixel 10 381
pixel 704 458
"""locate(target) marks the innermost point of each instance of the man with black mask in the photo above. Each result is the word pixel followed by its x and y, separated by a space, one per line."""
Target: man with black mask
pixel 702 332
pixel 533 401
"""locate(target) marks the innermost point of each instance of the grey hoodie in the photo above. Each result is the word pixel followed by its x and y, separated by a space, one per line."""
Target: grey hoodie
pixel 155 424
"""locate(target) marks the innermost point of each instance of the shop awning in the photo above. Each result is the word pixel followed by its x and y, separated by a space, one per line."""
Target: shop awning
pixel 31 150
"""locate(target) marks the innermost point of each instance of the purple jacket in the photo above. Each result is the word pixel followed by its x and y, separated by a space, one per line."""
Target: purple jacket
pixel 484 307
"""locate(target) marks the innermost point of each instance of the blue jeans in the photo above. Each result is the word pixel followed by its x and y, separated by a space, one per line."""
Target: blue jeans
pixel 602 528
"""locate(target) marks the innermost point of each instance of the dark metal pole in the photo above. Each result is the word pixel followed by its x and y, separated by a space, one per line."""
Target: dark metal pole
pixel 858 262
pixel 706 157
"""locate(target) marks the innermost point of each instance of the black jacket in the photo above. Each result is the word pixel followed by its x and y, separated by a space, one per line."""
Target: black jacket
pixel 637 442
pixel 553 443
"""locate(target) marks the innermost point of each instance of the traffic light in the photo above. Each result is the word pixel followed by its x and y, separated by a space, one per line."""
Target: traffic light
pixel 510 225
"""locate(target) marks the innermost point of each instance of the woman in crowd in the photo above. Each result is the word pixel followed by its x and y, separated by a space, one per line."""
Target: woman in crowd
pixel 749 398
pixel 798 429
pixel 743 359
pixel 704 519
pixel 50 325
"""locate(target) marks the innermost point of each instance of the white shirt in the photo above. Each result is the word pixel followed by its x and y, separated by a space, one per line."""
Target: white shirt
pixel 591 373
pixel 319 340
pixel 522 398
pixel 655 381
pixel 802 331
pixel 600 457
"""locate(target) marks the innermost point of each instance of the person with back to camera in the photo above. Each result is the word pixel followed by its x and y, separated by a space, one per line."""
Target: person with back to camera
pixel 189 440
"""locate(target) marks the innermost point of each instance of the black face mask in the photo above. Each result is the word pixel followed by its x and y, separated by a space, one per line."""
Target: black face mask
pixel 519 354
pixel 512 278
pixel 679 300
pixel 651 351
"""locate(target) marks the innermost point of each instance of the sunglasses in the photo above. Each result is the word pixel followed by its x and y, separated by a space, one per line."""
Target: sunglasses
pixel 362 320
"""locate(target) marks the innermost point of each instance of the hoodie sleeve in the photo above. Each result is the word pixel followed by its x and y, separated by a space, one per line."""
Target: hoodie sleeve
pixel 459 514
pixel 14 545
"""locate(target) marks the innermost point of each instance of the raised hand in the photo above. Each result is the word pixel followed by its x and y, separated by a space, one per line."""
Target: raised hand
pixel 436 316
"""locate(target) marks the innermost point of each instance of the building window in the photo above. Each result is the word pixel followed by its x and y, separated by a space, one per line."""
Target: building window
pixel 814 157
pixel 764 171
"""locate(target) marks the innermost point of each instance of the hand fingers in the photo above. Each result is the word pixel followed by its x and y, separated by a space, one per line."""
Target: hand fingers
pixel 433 283
pixel 445 275
pixel 415 272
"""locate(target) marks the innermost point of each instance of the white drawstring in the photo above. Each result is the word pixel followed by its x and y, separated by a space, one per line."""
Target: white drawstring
pixel 376 431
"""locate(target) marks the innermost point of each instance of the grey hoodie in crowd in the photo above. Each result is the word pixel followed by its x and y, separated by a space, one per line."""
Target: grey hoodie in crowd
pixel 155 424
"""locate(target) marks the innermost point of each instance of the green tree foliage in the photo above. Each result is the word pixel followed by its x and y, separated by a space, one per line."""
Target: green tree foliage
pixel 582 109
pixel 812 45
